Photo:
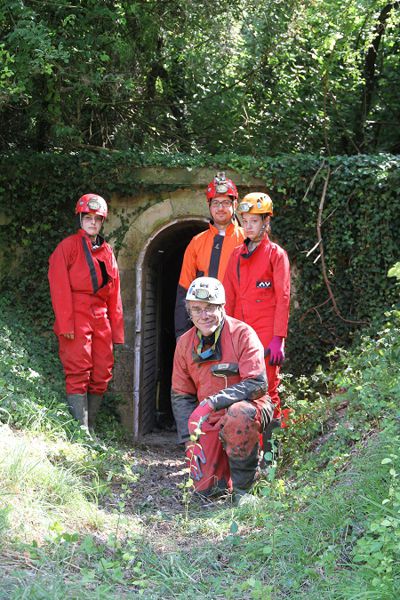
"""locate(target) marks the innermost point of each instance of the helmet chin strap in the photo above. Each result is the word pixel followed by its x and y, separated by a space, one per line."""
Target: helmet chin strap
pixel 261 233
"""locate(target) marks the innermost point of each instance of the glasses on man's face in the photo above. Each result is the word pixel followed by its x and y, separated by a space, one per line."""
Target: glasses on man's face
pixel 223 203
pixel 210 310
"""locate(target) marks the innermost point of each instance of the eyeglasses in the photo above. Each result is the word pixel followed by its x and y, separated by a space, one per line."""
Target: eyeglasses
pixel 210 310
pixel 224 203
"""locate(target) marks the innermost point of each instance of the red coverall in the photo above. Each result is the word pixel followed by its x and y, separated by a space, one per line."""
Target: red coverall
pixel 230 444
pixel 257 288
pixel 207 255
pixel 85 293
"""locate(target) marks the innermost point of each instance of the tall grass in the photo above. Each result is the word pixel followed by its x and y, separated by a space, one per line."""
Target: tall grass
pixel 325 526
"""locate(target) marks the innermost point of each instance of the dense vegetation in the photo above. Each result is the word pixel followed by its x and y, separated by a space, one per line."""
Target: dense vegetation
pixel 265 76
pixel 324 522
pixel 303 95
pixel 338 218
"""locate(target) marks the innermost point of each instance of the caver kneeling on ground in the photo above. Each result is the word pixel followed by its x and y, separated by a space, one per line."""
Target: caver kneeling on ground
pixel 219 393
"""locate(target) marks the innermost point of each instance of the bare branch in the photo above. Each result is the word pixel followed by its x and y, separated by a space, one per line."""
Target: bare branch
pixel 322 255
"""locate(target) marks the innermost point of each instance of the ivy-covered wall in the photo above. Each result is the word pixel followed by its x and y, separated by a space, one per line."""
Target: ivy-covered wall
pixel 350 204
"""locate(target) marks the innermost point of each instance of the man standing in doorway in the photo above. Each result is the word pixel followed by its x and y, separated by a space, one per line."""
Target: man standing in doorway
pixel 208 252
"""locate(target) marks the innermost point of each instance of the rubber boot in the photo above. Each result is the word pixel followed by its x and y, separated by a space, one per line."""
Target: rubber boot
pixel 238 495
pixel 78 406
pixel 94 402
pixel 269 446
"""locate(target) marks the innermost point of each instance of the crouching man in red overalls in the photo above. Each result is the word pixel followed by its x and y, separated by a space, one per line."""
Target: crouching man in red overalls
pixel 219 393
pixel 85 293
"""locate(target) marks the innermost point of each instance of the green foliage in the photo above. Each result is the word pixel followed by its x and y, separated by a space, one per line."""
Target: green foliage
pixel 378 549
pixel 363 385
pixel 31 383
pixel 360 222
pixel 395 271
pixel 325 526
pixel 263 76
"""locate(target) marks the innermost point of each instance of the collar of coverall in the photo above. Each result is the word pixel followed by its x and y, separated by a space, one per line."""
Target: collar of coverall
pixel 94 245
pixel 228 231
pixel 210 340
pixel 247 241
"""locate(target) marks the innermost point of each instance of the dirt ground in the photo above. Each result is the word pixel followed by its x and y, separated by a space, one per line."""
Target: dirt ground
pixel 159 462
pixel 155 500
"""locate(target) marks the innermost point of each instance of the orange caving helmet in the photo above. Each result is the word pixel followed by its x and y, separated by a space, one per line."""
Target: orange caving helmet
pixel 221 185
pixel 92 203
pixel 256 203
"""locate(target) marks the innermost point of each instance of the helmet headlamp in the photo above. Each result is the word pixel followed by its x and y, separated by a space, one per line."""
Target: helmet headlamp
pixel 222 188
pixel 244 207
pixel 202 294
pixel 93 204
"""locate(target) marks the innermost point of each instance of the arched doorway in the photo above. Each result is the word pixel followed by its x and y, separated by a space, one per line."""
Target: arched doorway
pixel 157 275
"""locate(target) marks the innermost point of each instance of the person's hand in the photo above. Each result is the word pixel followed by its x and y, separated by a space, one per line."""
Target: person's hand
pixel 199 416
pixel 68 336
pixel 276 351
pixel 195 457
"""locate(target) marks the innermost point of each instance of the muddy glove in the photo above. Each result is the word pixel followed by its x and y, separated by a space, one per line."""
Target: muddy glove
pixel 199 416
pixel 195 457
pixel 276 351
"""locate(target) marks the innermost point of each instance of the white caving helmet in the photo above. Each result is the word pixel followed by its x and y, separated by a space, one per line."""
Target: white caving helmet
pixel 206 289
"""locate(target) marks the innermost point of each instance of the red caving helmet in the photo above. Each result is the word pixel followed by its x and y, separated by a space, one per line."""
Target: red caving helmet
pixel 221 185
pixel 92 203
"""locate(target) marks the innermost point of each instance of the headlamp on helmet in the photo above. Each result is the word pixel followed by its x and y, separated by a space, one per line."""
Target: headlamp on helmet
pixel 221 186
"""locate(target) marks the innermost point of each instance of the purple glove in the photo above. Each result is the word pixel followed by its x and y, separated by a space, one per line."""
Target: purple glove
pixel 199 416
pixel 276 351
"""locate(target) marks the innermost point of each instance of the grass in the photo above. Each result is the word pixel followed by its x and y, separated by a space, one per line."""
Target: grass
pixel 325 524
pixel 38 493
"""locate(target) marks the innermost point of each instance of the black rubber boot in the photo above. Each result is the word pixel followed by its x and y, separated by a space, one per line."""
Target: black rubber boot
pixel 94 403
pixel 269 446
pixel 78 406
pixel 239 494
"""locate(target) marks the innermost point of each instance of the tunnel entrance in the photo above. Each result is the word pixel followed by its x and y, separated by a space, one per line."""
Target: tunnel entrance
pixel 158 277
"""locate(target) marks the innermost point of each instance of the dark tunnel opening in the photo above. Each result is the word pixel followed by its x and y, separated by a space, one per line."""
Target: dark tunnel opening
pixel 161 271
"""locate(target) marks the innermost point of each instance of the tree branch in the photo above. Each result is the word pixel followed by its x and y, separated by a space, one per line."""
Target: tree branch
pixel 322 255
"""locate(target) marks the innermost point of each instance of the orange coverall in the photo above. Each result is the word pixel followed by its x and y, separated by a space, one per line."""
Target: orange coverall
pixel 230 445
pixel 207 255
